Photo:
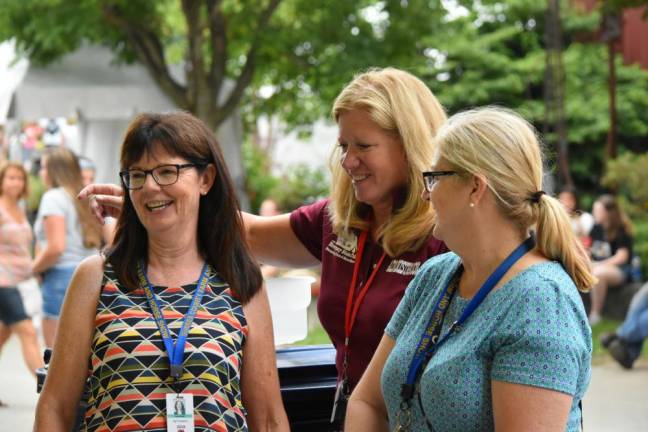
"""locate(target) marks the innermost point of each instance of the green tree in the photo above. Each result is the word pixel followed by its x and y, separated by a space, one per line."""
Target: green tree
pixel 495 54
pixel 304 50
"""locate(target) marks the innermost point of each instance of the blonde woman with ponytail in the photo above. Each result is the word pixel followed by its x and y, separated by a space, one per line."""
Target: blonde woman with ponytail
pixel 492 336
pixel 66 232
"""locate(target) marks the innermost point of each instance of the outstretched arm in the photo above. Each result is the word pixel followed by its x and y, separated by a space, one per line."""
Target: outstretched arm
pixel 273 241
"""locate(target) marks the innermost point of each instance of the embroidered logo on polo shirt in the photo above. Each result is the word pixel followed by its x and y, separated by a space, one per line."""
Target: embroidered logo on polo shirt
pixel 344 247
pixel 403 267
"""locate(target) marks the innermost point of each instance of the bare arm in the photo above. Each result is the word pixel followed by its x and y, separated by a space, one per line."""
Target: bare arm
pixel 58 403
pixel 273 241
pixel 259 378
pixel 104 200
pixel 518 407
pixel 620 258
pixel 366 410
pixel 47 256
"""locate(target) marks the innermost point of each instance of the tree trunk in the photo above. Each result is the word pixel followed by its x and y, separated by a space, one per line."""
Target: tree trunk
pixel 611 145
pixel 554 90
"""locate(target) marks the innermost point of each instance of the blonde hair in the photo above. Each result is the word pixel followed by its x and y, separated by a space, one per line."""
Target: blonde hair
pixel 402 105
pixel 16 165
pixel 63 171
pixel 501 146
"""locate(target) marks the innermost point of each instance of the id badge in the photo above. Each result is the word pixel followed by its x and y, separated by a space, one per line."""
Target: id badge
pixel 179 410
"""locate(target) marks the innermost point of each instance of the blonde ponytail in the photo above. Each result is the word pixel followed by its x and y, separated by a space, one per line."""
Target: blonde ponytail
pixel 503 147
pixel 556 240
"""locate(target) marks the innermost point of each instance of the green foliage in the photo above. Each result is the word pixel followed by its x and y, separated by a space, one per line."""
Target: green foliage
pixel 641 244
pixel 629 175
pixel 301 185
pixel 496 55
pixel 297 186
pixel 617 5
pixel 316 336
pixel 259 182
pixel 493 53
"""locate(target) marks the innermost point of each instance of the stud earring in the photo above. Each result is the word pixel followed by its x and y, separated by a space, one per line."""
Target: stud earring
pixel 472 204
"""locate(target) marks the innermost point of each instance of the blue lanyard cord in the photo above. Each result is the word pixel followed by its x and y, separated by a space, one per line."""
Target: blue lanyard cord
pixel 175 351
pixel 429 342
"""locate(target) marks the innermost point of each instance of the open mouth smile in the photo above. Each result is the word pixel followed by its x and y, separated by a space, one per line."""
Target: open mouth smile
pixel 155 206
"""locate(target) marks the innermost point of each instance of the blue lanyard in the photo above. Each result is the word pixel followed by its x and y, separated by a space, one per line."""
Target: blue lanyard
pixel 175 351
pixel 429 342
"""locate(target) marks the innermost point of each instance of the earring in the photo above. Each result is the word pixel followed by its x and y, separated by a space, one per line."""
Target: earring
pixel 472 205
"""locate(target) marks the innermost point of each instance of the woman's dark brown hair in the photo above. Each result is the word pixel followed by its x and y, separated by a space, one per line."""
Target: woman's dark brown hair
pixel 220 235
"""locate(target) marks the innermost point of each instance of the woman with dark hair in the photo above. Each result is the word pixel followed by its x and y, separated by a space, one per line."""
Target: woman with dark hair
pixel 66 232
pixel 611 251
pixel 176 310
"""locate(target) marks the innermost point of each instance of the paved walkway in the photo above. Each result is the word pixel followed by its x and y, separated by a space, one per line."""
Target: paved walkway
pixel 617 400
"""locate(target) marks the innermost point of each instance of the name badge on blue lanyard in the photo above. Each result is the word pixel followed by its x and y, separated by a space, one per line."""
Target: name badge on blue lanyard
pixel 430 342
pixel 174 351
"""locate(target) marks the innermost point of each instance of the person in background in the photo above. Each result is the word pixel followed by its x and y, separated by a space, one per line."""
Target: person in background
pixel 66 232
pixel 179 267
pixel 16 264
pixel 581 221
pixel 626 342
pixel 611 251
pixel 374 231
pixel 492 336
pixel 88 170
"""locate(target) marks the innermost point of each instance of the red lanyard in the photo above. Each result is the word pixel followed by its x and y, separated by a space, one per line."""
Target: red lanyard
pixel 351 310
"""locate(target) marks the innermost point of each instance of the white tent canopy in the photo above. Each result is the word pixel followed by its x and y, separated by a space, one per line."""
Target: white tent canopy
pixel 105 97
pixel 12 71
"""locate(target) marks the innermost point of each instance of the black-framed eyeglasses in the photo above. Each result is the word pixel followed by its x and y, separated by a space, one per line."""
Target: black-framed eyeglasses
pixel 431 177
pixel 164 175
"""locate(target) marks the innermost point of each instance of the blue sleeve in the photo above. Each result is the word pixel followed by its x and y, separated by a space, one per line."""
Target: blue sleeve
pixel 544 339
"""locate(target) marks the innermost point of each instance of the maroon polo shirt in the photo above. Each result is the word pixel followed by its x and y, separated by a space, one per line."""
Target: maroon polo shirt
pixel 313 228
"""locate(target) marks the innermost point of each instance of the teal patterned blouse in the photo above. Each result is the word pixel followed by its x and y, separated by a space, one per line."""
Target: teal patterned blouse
pixel 532 331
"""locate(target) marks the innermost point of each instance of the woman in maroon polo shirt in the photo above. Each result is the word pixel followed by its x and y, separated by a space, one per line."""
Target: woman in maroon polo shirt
pixel 374 231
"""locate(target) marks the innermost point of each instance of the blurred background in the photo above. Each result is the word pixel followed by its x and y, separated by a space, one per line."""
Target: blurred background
pixel 264 73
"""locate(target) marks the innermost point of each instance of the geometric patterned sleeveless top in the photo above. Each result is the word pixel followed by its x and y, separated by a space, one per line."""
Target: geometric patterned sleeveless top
pixel 129 367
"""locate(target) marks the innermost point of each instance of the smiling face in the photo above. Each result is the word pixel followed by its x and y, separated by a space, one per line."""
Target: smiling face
pixel 13 183
pixel 373 158
pixel 450 199
pixel 171 207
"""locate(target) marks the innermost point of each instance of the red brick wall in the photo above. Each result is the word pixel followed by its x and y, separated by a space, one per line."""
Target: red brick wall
pixel 634 34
